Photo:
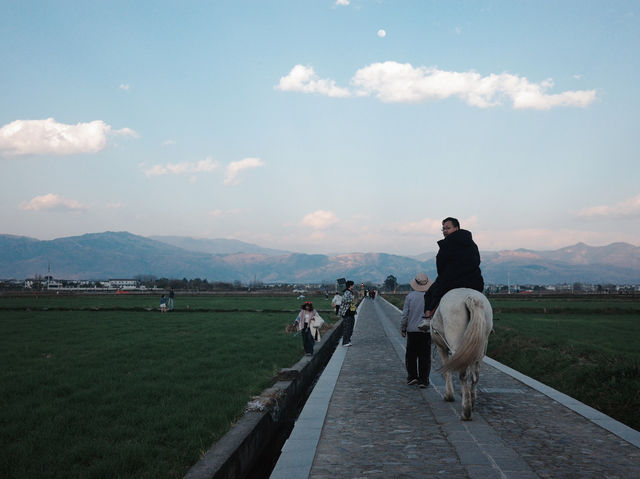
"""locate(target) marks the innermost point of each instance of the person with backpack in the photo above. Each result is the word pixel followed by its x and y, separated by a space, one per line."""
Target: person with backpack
pixel 348 313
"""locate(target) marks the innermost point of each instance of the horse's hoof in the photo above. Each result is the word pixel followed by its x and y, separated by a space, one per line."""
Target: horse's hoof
pixel 449 398
pixel 465 418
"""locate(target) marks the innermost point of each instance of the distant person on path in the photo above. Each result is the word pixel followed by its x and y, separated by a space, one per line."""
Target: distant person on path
pixel 305 326
pixel 163 304
pixel 170 303
pixel 348 313
pixel 457 263
pixel 417 357
pixel 336 301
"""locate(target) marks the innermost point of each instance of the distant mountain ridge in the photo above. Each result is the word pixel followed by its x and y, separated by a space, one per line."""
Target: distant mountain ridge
pixel 125 255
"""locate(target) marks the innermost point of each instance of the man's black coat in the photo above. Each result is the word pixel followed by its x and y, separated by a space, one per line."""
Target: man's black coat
pixel 458 265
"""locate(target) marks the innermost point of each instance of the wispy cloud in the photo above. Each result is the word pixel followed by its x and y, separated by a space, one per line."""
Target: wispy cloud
pixel 232 175
pixel 382 33
pixel 626 208
pixel 51 202
pixel 342 3
pixel 304 79
pixel 183 168
pixel 420 227
pixel 320 219
pixel 125 86
pixel 114 205
pixel 393 82
pixel 48 137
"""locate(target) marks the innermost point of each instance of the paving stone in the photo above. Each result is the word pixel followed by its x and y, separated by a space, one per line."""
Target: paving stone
pixel 378 427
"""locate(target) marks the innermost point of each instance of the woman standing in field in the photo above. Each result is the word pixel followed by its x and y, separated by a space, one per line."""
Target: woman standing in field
pixel 304 322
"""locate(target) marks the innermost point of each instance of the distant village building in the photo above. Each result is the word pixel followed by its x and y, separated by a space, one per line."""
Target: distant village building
pixel 122 284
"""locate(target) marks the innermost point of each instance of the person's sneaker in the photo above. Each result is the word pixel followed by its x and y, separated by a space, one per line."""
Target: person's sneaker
pixel 425 325
pixel 347 345
pixel 412 382
pixel 423 385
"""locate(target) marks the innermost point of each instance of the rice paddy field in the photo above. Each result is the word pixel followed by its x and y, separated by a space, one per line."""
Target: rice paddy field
pixel 107 386
pixel 586 347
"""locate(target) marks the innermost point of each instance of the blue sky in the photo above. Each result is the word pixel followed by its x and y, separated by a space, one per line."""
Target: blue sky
pixel 323 126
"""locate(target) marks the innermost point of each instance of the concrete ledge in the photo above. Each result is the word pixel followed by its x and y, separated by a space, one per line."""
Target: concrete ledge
pixel 267 419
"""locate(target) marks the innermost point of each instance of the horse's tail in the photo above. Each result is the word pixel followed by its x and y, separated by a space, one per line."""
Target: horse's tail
pixel 472 347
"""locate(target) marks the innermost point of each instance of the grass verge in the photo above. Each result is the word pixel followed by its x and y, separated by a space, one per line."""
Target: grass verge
pixel 140 395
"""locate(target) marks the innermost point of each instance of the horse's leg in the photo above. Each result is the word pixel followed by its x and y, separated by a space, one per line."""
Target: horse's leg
pixel 475 377
pixel 466 395
pixel 448 392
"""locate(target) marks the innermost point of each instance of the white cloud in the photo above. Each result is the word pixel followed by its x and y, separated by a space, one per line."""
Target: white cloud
pixel 382 33
pixel 125 86
pixel 304 79
pixel 51 202
pixel 628 207
pixel 236 167
pixel 320 219
pixel 394 82
pixel 420 227
pixel 168 142
pixel 342 3
pixel 402 83
pixel 458 30
pixel 114 205
pixel 48 137
pixel 185 168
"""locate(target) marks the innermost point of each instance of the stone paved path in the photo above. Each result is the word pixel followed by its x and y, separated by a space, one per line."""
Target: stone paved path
pixel 377 426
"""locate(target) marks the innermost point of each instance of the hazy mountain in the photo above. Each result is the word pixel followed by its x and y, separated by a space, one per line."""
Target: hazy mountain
pixel 101 256
pixel 217 246
pixel 124 255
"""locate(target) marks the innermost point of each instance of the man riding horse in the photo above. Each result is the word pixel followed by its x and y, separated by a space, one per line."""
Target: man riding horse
pixel 457 263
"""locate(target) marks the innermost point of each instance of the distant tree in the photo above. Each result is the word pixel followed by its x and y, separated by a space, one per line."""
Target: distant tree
pixel 390 283
pixel 577 286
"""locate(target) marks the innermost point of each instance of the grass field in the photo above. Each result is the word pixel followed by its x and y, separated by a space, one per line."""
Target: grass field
pixel 112 393
pixel 588 348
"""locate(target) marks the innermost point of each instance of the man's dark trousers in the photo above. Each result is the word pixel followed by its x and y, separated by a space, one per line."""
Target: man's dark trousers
pixel 418 357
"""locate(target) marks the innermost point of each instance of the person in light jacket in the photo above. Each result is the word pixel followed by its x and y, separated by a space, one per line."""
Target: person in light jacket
pixel 417 357
pixel 336 301
pixel 305 325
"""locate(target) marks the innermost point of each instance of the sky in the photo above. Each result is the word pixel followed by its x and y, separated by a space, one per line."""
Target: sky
pixel 323 126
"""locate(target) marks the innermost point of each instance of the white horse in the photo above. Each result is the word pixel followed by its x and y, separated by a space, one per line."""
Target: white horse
pixel 461 326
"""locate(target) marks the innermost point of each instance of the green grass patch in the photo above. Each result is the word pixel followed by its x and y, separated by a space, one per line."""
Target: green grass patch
pixel 139 394
pixel 182 302
pixel 594 359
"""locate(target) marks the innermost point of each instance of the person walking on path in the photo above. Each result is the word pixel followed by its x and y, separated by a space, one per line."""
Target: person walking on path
pixel 170 303
pixel 417 357
pixel 457 263
pixel 335 302
pixel 348 313
pixel 304 322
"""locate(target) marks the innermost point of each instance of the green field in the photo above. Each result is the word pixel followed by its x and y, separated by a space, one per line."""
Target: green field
pixel 108 392
pixel 586 347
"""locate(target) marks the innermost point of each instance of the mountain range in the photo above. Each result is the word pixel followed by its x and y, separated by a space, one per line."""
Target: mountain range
pixel 125 255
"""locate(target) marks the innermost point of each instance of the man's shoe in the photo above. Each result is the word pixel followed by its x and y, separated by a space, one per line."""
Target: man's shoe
pixel 412 382
pixel 423 385
pixel 347 345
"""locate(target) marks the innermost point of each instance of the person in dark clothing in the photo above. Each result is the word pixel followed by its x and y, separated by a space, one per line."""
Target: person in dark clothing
pixel 457 263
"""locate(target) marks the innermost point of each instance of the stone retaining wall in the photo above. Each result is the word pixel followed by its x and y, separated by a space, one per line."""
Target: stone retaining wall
pixel 268 419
